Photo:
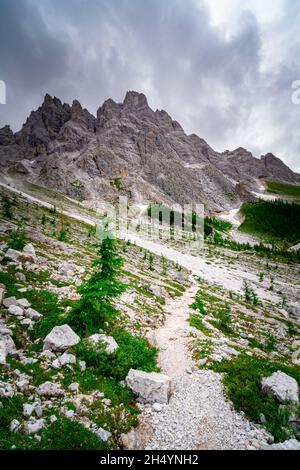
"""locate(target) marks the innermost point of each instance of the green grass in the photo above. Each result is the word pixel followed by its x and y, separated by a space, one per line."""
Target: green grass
pixel 132 352
pixel 272 220
pixel 284 189
pixel 65 434
pixel 243 386
pixel 197 322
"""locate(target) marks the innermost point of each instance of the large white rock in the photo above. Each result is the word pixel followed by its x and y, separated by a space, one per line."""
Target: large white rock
pixel 61 338
pixel 50 389
pixel 109 342
pixel 284 387
pixel 151 387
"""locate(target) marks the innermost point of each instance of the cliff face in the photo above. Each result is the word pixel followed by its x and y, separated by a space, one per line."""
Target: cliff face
pixel 132 150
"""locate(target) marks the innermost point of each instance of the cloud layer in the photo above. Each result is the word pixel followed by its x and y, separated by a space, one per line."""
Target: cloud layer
pixel 223 70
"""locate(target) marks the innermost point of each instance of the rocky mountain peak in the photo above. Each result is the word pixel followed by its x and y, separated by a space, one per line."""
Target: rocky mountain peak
pixel 150 151
pixel 135 99
pixel 76 108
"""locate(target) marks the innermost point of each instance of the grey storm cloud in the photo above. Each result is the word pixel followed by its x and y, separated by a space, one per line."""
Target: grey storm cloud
pixel 229 82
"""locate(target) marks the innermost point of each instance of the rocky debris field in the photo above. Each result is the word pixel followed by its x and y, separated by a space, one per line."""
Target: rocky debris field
pixel 44 381
pixel 176 390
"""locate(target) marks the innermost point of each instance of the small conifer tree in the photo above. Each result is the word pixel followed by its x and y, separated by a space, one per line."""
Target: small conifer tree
pixel 100 289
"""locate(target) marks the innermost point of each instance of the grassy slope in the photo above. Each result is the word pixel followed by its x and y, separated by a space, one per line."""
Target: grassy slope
pixel 284 189
pixel 272 220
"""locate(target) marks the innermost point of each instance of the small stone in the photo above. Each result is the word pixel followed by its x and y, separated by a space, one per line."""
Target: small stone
pixel 15 425
pixel 33 426
pixel 102 434
pixel 53 418
pixel 63 360
pixel 74 387
pixel 108 341
pixel 33 314
pixel 47 354
pixel 27 322
pixel 6 390
pixel 262 418
pixel 38 411
pixel 202 361
pixel 69 414
pixel 15 310
pixel 82 366
pixel 157 407
pixel 21 277
pixel 7 347
pixel 50 389
pixel 2 290
pixel 23 303
pixel 22 385
pixel 29 360
pixel 29 249
pixel 9 301
pixel 28 409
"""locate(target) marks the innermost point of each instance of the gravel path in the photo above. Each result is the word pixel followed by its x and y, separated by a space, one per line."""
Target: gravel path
pixel 198 415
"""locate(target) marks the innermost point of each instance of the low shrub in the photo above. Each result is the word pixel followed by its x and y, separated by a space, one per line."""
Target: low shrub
pixel 243 385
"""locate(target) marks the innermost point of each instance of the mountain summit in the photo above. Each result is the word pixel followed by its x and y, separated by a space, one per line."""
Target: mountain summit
pixel 132 150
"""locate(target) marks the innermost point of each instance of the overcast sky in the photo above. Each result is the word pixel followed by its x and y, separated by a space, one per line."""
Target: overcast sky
pixel 222 68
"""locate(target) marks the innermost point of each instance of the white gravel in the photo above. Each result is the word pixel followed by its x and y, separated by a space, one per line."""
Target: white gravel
pixel 199 417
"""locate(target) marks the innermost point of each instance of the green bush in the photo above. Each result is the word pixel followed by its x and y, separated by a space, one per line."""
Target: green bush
pixel 7 207
pixel 133 352
pixel 243 386
pixel 17 239
pixel 225 319
pixel 199 304
pixel 63 235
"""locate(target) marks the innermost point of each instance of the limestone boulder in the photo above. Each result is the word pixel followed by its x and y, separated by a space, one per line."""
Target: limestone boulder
pixel 151 387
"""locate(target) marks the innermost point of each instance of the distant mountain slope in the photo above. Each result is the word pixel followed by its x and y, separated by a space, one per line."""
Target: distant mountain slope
pixel 132 150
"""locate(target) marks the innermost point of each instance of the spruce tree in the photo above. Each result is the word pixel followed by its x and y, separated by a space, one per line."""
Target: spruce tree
pixel 99 290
